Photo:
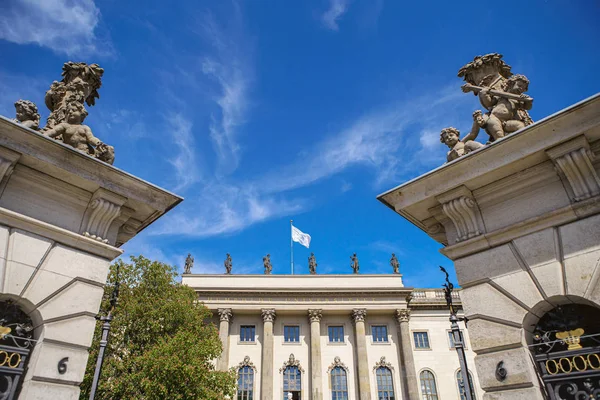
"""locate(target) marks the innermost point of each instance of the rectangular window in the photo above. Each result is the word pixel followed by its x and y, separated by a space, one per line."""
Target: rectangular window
pixel 336 334
pixel 379 333
pixel 421 340
pixel 451 338
pixel 291 334
pixel 247 333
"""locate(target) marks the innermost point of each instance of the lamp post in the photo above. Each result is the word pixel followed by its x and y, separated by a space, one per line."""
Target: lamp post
pixel 105 331
pixel 457 338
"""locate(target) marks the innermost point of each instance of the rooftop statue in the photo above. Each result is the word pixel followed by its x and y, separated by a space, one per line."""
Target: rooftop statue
pixel 65 100
pixel 354 263
pixel 459 147
pixel 395 264
pixel 312 264
pixel 500 92
pixel 267 264
pixel 27 114
pixel 228 264
pixel 189 264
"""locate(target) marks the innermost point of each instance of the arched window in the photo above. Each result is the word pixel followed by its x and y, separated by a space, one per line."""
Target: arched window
pixel 292 382
pixel 461 385
pixel 245 383
pixel 339 384
pixel 428 388
pixel 385 387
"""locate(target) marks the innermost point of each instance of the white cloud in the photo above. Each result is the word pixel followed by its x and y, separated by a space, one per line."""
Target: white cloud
pixel 65 26
pixel 184 162
pixel 330 18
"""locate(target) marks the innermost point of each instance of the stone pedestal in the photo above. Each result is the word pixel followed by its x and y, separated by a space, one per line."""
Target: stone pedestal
pixel 266 373
pixel 225 316
pixel 314 317
pixel 521 220
pixel 364 380
pixel 63 215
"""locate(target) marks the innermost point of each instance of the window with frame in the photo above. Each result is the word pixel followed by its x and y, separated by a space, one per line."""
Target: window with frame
pixel 291 334
pixel 245 389
pixel 428 387
pixel 461 385
pixel 385 386
pixel 421 340
pixel 247 333
pixel 379 333
pixel 292 382
pixel 451 339
pixel 336 334
pixel 339 384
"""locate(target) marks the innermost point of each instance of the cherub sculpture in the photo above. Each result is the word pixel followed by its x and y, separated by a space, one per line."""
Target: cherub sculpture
pixel 228 264
pixel 27 114
pixel 80 136
pixel 267 264
pixel 354 263
pixel 312 264
pixel 459 147
pixel 395 264
pixel 189 264
pixel 500 92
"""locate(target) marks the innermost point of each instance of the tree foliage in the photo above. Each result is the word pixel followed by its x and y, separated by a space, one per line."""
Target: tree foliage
pixel 161 343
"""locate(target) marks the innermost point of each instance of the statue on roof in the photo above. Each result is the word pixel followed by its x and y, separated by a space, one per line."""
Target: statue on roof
pixel 312 264
pixel 500 92
pixel 27 114
pixel 395 264
pixel 65 100
pixel 354 263
pixel 267 264
pixel 228 264
pixel 189 264
pixel 459 147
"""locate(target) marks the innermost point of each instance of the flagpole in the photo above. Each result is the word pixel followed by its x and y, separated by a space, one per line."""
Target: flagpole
pixel 291 247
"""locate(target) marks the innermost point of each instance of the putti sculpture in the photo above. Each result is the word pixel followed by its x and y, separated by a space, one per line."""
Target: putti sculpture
pixel 65 100
pixel 459 147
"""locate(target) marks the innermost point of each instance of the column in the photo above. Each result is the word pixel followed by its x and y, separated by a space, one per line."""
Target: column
pixel 410 383
pixel 225 316
pixel 364 382
pixel 314 317
pixel 266 373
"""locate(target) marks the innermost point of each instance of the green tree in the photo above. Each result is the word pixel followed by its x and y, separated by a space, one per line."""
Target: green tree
pixel 161 342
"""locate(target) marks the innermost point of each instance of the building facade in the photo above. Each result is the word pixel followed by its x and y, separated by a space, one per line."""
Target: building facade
pixel 322 337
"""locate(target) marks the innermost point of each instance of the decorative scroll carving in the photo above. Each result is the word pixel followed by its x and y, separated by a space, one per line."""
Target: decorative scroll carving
pixel 268 314
pixel 383 363
pixel 246 363
pixel 225 314
pixel 402 315
pixel 573 160
pixel 8 160
pixel 102 210
pixel 460 206
pixel 501 372
pixel 337 363
pixel 291 362
pixel 128 230
pixel 359 315
pixel 315 315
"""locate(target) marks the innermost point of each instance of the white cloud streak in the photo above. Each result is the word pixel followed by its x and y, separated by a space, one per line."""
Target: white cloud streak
pixel 64 26
pixel 184 162
pixel 330 18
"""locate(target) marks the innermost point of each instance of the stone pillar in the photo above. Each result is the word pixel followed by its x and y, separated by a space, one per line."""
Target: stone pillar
pixel 364 382
pixel 225 316
pixel 266 374
pixel 409 378
pixel 315 354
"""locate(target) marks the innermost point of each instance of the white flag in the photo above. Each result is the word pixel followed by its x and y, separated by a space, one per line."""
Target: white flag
pixel 300 237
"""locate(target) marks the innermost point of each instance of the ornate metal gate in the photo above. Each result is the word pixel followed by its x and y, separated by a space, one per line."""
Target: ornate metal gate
pixel 568 352
pixel 16 342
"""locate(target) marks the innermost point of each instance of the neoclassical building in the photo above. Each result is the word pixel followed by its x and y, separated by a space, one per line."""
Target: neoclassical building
pixel 338 337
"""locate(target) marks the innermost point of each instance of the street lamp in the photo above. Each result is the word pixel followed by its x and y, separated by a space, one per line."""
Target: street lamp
pixel 105 331
pixel 457 338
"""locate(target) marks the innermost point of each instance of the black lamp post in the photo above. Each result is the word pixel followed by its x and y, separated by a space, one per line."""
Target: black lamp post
pixel 457 338
pixel 105 331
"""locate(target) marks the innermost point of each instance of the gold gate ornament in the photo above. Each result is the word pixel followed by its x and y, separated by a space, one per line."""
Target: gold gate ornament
pixel 571 338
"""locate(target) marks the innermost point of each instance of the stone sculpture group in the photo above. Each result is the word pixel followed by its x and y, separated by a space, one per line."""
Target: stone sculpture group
pixel 65 100
pixel 503 96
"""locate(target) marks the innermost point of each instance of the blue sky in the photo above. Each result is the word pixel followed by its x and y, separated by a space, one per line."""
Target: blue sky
pixel 258 112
